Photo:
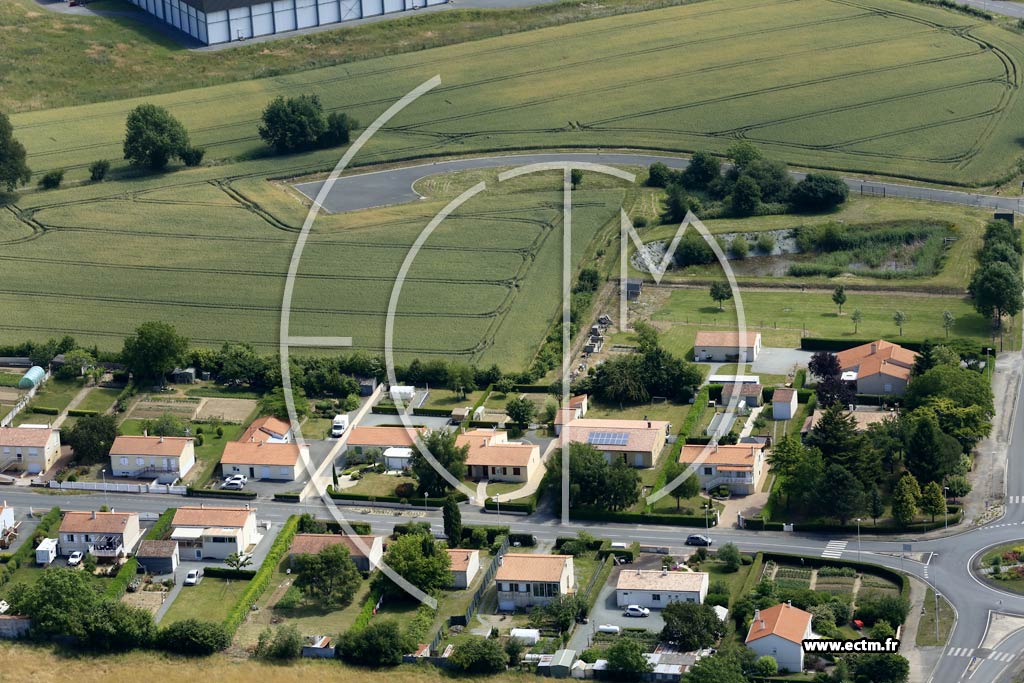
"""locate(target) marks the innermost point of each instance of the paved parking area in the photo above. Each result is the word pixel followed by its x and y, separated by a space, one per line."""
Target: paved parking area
pixel 778 361
pixel 607 611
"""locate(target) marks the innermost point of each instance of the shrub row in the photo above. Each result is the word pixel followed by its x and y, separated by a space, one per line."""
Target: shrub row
pixel 431 412
pixel 693 418
pixel 531 388
pixel 636 517
pixel 800 379
pixel 261 579
pixel 366 613
pixel 163 524
pixel 360 528
pixel 965 347
pixel 219 493
pixel 81 412
pixel 384 410
pixel 229 573
pixel 524 540
pixel 804 395
pixel 119 584
pixel 43 410
pixel 754 577
pixel 417 502
pixel 288 497
pixel 758 524
pixel 26 553
pixel 492 532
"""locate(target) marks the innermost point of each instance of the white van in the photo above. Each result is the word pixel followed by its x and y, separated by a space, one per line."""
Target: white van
pixel 339 425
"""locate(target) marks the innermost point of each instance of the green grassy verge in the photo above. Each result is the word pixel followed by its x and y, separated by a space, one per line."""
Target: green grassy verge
pixel 926 627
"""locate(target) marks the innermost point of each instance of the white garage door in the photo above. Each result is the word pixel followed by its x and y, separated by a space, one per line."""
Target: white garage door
pixel 393 6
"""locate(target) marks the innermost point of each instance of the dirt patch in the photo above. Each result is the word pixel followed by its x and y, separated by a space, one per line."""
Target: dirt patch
pixel 148 408
pixel 9 395
pixel 147 600
pixel 227 409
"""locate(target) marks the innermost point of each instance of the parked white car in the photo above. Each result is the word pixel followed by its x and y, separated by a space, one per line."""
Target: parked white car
pixel 75 558
pixel 193 576
pixel 636 611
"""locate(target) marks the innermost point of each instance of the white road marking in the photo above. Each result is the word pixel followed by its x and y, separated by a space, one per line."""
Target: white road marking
pixel 834 549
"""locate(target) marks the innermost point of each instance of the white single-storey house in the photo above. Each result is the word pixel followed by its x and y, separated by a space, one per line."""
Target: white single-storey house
pixel 655 589
pixel 727 347
pixel 29 448
pixel 361 439
pixel 784 404
pixel 262 460
pixel 465 565
pixel 491 456
pixel 214 532
pixel 104 535
pixel 740 466
pixel 166 458
pixel 525 580
pixel 779 632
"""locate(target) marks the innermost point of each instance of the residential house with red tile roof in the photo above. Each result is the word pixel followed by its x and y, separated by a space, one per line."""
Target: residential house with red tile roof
pixel 268 428
pixel 365 551
pixel 879 368
pixel 525 580
pixel 104 535
pixel 165 458
pixel 211 531
pixel 779 632
pixel 727 347
pixel 492 456
pixel 740 466
pixel 638 443
pixel 33 449
pixel 262 460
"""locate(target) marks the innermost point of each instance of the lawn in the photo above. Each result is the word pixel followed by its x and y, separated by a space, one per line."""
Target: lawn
pixel 53 394
pixel 209 600
pixel 373 484
pixel 445 399
pixel 29 573
pixel 99 399
pixel 926 627
pixel 783 317
pixel 734 580
pixel 898 89
pixel 662 410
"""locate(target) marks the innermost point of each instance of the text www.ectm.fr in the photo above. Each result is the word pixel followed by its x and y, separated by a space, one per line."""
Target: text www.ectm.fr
pixel 851 646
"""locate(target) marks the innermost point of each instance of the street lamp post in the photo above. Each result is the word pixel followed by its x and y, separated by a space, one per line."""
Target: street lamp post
pixel 936 593
pixel 106 501
pixel 425 497
pixel 497 501
pixel 945 506
pixel 858 539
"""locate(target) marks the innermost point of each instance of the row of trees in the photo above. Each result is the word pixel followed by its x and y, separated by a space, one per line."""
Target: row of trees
pixel 751 184
pixel 996 286
pixel 66 603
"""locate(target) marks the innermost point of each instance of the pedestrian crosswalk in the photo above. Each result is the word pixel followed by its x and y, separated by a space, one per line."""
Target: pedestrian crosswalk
pixel 981 654
pixel 1013 500
pixel 834 549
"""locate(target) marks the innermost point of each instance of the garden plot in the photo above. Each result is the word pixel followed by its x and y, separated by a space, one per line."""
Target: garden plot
pixel 150 408
pixel 225 409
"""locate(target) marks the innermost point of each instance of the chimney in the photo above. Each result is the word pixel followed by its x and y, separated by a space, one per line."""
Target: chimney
pixel 161 439
pixel 145 432
pixel 874 348
pixel 94 514
pixel 757 615
pixel 501 560
pixel 664 571
pixel 259 444
pixel 789 603
pixel 648 424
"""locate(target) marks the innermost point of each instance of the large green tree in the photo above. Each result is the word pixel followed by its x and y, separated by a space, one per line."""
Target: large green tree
pixel 14 169
pixel 452 521
pixel 842 494
pixel 441 445
pixel 477 655
pixel 91 438
pixel 717 668
pixel 931 454
pixel 379 643
pixel 688 487
pixel 621 486
pixel 626 660
pixel 933 501
pixel 294 124
pixel 691 626
pixel 153 350
pixel 905 500
pixel 840 443
pixel 418 559
pixel 330 576
pixel 885 667
pixel 57 602
pixel 997 290
pixel 153 137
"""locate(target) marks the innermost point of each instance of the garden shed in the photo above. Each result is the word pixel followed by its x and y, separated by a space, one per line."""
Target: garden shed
pixel 32 377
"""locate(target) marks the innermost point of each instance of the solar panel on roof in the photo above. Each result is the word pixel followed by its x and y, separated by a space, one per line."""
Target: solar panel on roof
pixel 608 438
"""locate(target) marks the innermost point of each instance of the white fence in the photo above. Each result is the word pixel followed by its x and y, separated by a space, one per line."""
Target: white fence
pixel 114 487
